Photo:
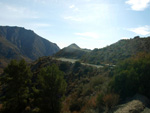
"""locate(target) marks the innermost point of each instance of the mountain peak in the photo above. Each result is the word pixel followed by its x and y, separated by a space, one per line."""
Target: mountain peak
pixel 73 51
pixel 74 46
pixel 24 42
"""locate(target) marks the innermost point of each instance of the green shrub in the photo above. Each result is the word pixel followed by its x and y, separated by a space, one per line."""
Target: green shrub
pixel 132 76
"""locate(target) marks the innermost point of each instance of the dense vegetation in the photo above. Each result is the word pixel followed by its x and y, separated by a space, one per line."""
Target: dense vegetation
pixel 119 51
pixel 21 92
pixel 101 89
pixel 88 89
pixel 84 84
pixel 15 83
pixel 49 85
pixel 112 54
pixel 132 76
pixel 49 90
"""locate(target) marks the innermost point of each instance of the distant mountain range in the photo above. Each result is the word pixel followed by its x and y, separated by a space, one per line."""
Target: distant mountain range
pixel 118 51
pixel 18 43
pixel 72 51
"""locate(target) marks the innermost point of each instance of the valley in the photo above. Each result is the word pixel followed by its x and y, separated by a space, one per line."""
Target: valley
pixel 113 79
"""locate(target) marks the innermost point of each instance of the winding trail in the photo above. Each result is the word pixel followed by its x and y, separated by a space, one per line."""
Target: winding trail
pixel 74 60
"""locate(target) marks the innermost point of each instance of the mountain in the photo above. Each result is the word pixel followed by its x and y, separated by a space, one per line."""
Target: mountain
pixel 72 51
pixel 118 51
pixel 18 43
pixel 73 46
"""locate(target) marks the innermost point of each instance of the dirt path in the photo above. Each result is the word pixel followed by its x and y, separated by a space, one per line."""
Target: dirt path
pixel 74 60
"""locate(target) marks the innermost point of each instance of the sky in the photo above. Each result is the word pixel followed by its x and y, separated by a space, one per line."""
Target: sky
pixel 88 23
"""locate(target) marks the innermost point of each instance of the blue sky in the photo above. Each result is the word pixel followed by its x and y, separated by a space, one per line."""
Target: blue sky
pixel 88 23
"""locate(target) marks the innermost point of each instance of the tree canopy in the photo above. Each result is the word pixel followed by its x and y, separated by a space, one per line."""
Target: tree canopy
pixel 15 83
pixel 50 89
pixel 132 76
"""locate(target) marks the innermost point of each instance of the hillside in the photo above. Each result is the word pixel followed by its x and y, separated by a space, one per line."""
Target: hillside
pixel 18 43
pixel 91 90
pixel 72 51
pixel 84 82
pixel 118 51
pixel 25 42
pixel 120 89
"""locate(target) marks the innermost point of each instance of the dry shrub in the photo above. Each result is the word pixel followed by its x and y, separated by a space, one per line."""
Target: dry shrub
pixel 110 100
pixel 1 106
pixel 89 104
pixel 92 102
pixel 65 105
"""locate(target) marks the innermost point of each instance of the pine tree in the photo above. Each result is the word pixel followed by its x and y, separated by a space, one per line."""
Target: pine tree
pixel 50 90
pixel 15 83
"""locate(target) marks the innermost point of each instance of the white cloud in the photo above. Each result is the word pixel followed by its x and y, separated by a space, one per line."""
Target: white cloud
pixel 76 9
pixel 88 13
pixel 72 6
pixel 145 30
pixel 88 34
pixel 138 5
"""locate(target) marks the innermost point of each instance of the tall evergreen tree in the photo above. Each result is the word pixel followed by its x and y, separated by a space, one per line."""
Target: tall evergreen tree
pixel 15 83
pixel 49 90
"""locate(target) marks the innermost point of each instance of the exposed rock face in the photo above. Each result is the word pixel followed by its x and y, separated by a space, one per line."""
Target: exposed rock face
pixel 135 106
pixel 18 42
pixel 138 104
